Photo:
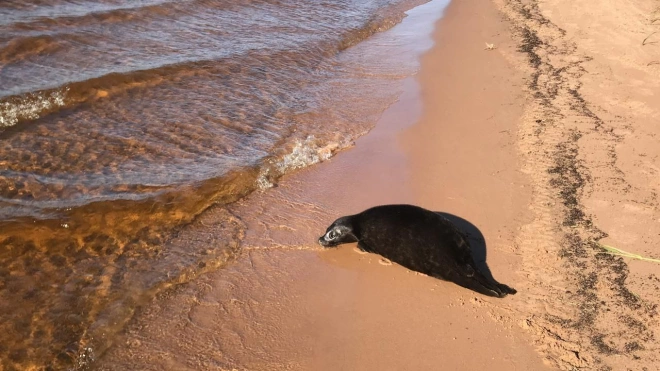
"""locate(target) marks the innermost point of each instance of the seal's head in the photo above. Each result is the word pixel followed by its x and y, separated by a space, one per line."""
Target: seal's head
pixel 339 232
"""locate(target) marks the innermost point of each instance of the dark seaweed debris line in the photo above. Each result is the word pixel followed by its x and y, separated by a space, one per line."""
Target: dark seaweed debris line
pixel 599 277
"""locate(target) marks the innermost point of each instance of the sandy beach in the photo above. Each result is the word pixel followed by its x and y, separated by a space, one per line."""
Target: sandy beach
pixel 543 147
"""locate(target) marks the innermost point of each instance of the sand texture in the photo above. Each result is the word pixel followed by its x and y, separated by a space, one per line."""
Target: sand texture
pixel 534 127
pixel 588 142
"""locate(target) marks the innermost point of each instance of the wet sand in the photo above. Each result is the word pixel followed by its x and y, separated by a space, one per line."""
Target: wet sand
pixel 543 146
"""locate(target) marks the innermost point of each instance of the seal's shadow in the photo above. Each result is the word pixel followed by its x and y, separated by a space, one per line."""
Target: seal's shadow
pixel 476 240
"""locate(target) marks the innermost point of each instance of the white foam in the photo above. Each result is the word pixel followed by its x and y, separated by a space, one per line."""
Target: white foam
pixel 304 153
pixel 262 180
pixel 30 107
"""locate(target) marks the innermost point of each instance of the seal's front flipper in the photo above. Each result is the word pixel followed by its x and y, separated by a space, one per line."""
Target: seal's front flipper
pixel 362 246
pixel 468 270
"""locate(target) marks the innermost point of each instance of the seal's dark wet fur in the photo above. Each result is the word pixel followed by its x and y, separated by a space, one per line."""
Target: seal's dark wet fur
pixel 417 239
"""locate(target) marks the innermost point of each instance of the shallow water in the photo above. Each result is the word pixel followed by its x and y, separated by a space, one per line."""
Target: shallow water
pixel 121 121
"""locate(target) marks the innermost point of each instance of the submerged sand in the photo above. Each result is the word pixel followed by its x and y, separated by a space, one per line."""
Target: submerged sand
pixel 544 145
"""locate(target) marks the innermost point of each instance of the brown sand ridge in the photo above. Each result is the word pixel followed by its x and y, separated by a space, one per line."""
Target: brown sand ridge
pixel 544 143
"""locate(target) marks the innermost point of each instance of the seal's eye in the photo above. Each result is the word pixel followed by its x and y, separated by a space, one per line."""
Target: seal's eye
pixel 332 235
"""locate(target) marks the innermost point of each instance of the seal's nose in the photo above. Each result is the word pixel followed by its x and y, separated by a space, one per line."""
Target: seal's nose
pixel 322 241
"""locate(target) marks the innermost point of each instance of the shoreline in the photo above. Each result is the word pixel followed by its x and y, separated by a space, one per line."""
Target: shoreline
pixel 285 304
pixel 544 144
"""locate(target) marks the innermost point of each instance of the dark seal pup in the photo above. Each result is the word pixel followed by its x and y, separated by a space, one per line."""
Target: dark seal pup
pixel 417 239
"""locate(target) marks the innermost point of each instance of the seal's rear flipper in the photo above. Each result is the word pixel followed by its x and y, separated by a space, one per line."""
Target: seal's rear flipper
pixel 507 289
pixel 499 290
pixel 479 283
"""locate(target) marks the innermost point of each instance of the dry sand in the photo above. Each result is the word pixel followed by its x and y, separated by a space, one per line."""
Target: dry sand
pixel 544 152
pixel 588 139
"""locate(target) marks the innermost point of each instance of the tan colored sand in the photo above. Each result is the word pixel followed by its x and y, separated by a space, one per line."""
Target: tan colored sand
pixel 463 151
pixel 588 139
